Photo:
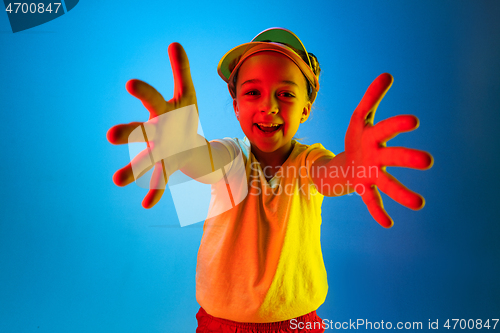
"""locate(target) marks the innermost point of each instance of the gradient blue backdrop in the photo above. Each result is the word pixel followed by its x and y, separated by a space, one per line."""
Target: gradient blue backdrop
pixel 79 254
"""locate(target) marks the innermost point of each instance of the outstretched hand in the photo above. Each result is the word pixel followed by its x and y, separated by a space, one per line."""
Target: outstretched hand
pixel 184 95
pixel 365 149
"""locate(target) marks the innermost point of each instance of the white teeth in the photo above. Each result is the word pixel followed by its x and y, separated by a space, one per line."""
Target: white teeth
pixel 268 125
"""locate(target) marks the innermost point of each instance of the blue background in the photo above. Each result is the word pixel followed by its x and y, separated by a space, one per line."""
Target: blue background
pixel 79 254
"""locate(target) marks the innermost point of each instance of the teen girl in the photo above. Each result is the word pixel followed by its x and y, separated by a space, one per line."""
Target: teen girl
pixel 260 266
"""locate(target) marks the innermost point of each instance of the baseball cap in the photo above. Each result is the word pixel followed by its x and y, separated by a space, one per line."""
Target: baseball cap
pixel 273 39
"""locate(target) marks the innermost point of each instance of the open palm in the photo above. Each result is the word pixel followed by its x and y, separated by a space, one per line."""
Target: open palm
pixel 365 149
pixel 184 95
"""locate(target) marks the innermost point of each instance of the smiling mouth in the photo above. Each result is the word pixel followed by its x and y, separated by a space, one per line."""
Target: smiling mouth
pixel 268 128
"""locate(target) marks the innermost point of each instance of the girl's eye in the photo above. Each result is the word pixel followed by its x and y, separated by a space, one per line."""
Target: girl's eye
pixel 252 93
pixel 287 94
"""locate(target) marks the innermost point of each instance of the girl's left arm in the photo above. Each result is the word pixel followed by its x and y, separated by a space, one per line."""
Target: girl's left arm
pixel 362 167
pixel 330 177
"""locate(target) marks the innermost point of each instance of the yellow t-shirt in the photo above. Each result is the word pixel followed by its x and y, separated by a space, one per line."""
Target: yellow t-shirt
pixel 261 261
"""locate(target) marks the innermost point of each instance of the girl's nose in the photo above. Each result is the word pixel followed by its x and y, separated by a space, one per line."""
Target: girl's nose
pixel 269 105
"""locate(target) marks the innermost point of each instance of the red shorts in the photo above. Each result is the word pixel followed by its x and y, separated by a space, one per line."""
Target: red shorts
pixel 309 323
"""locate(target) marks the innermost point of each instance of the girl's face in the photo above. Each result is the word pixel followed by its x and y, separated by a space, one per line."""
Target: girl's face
pixel 271 101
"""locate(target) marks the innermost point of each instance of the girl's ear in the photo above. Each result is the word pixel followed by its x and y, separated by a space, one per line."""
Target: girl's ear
pixel 236 111
pixel 306 112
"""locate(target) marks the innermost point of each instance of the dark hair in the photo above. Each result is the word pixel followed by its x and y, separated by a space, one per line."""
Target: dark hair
pixel 314 66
